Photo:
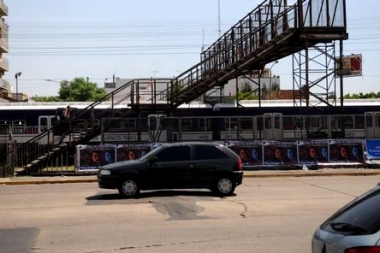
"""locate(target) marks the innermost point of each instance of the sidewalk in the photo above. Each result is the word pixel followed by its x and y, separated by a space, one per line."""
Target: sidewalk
pixel 247 173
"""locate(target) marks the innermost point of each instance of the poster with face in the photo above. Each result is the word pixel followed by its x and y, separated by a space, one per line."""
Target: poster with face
pixel 346 151
pixel 132 151
pixel 93 157
pixel 313 152
pixel 250 152
pixel 280 152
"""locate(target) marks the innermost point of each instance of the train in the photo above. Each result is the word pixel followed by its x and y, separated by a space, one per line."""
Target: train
pixel 198 121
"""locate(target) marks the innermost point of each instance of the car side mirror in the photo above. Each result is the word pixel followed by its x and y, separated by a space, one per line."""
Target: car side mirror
pixel 154 159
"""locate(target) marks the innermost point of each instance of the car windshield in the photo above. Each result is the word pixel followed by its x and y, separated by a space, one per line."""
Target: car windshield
pixel 358 217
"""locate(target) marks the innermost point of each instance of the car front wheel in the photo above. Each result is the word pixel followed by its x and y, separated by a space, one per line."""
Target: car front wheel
pixel 129 188
pixel 224 186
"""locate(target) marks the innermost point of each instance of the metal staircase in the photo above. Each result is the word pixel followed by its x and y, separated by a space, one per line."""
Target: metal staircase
pixel 270 32
pixel 46 150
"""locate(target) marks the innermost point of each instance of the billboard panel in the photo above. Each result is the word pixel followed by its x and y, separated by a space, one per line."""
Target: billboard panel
pixel 351 66
pixel 250 152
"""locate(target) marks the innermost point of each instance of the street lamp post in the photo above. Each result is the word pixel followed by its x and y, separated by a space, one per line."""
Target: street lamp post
pixel 17 75
pixel 68 85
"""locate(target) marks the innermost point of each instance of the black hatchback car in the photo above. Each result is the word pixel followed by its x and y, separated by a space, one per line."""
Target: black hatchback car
pixel 183 165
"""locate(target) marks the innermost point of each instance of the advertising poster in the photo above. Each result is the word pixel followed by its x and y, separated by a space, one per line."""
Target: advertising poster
pixel 346 151
pixel 280 152
pixel 250 152
pixel 313 152
pixel 93 157
pixel 373 149
pixel 132 151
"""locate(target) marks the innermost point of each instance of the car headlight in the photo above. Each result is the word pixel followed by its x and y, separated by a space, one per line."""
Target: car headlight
pixel 105 172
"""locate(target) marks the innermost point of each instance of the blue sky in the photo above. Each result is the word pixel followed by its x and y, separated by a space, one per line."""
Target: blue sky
pixel 132 39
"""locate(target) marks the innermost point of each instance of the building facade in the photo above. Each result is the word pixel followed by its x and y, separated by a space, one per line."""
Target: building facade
pixel 5 87
pixel 269 85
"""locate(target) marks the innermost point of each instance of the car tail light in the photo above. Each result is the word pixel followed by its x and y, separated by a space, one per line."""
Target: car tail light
pixel 372 249
pixel 240 164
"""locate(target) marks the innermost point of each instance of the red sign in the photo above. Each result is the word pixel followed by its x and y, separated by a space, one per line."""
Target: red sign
pixel 351 66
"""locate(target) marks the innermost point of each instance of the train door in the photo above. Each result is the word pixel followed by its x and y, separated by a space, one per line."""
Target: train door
pixel 231 128
pixel 247 128
pixel 44 123
pixel 273 126
pixel 372 125
pixel 156 127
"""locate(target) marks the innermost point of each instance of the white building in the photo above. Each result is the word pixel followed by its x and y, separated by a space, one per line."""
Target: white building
pixel 148 86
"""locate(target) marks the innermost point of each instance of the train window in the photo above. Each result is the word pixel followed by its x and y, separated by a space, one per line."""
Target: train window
pixel 259 123
pixel 246 123
pixel 156 122
pixel 43 121
pixel 335 123
pixel 368 120
pixel 115 124
pixel 186 124
pixel 4 122
pixel 268 121
pixel 162 123
pixel 288 123
pixel 204 124
pixel 298 123
pixel 277 122
pixel 317 122
pixel 130 124
pixel 18 123
pixel 93 122
pixel 152 123
pixel 173 123
pixel 359 122
pixel 377 120
pixel 349 122
pixel 314 122
pixel 231 123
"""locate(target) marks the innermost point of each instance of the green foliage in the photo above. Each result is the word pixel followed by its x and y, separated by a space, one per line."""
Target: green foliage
pixel 76 90
pixel 245 93
pixel 46 99
pixel 80 90
pixel 361 95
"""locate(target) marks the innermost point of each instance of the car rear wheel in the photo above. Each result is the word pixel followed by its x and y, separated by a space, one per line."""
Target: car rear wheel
pixel 129 188
pixel 224 186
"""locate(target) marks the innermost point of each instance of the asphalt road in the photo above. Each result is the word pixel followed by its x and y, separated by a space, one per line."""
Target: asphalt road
pixel 275 214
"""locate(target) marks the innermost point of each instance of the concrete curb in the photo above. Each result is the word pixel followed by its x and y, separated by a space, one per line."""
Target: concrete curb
pixel 314 174
pixel 46 181
pixel 254 174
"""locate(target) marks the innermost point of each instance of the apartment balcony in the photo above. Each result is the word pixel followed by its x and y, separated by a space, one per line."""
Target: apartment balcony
pixel 4 64
pixel 4 26
pixel 3 9
pixel 4 46
pixel 4 85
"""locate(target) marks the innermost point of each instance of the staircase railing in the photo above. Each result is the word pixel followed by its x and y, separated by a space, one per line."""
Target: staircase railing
pixel 79 128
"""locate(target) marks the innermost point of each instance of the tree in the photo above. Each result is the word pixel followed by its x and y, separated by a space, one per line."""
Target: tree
pixel 361 95
pixel 77 90
pixel 46 99
pixel 246 92
pixel 80 90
